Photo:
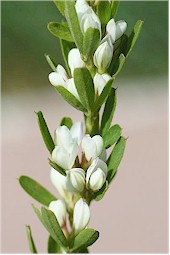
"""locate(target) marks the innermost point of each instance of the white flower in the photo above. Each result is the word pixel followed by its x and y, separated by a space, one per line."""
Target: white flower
pixel 58 207
pixel 74 60
pixel 100 81
pixel 67 141
pixel 76 177
pixel 103 54
pixel 92 147
pixel 90 19
pixel 59 77
pixel 81 7
pixel 81 215
pixel 116 30
pixel 96 175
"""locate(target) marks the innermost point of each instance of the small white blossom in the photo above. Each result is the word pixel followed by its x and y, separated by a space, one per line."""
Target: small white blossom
pixel 116 30
pixel 59 182
pixel 58 207
pixel 59 77
pixel 76 177
pixel 100 81
pixel 81 215
pixel 96 175
pixel 92 147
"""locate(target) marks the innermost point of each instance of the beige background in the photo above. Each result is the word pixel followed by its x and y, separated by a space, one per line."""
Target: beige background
pixel 133 216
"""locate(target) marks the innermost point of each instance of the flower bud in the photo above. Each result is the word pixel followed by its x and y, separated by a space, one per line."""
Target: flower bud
pixel 100 81
pixel 103 55
pixel 74 60
pixel 81 215
pixel 72 88
pixel 76 176
pixel 59 77
pixel 90 19
pixel 116 30
pixel 59 209
pixel 92 147
pixel 96 175
pixel 81 8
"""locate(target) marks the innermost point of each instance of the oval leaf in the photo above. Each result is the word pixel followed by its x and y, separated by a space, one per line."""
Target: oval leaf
pixel 70 98
pixel 60 6
pixel 53 247
pixel 30 240
pixel 73 23
pixel 45 132
pixel 56 167
pixel 104 11
pixel 85 87
pixel 114 8
pixel 112 136
pixel 60 30
pixel 120 64
pixel 66 121
pixel 36 190
pixel 108 112
pixel 53 227
pixel 115 158
pixel 90 42
pixel 84 239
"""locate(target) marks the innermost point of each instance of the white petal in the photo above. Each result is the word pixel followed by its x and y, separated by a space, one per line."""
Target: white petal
pixel 60 69
pixel 56 79
pixel 77 131
pixel 89 147
pixel 73 151
pixel 62 136
pixel 74 60
pixel 99 83
pixel 59 209
pixel 99 144
pixel 121 26
pixel 81 7
pixel 111 29
pixel 90 19
pixel 59 181
pixel 97 180
pixel 76 176
pixel 106 77
pixel 81 216
pixel 61 157
pixel 72 88
pixel 92 168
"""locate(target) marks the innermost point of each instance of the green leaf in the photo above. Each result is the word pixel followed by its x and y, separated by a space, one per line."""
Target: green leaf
pixel 73 23
pixel 66 121
pixel 90 42
pixel 133 36
pixel 60 30
pixel 30 240
pixel 84 239
pixel 104 11
pixel 121 62
pixel 70 98
pixel 56 167
pixel 85 87
pixel 45 132
pixel 100 194
pixel 114 8
pixel 53 247
pixel 115 158
pixel 65 48
pixel 61 6
pixel 50 62
pixel 108 112
pixel 53 227
pixel 36 190
pixel 112 136
pixel 38 213
pixel 104 94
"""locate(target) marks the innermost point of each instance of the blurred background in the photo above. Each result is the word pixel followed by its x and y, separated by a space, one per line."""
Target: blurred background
pixel 133 216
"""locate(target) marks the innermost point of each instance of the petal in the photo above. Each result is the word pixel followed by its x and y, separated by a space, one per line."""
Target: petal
pixel 121 26
pixel 62 137
pixel 97 180
pixel 89 147
pixel 59 181
pixel 102 165
pixel 76 177
pixel 99 83
pixel 81 215
pixel 81 7
pixel 60 69
pixel 74 60
pixel 72 88
pixel 56 79
pixel 73 151
pixel 61 157
pixel 111 29
pixel 99 144
pixel 92 168
pixel 77 131
pixel 58 207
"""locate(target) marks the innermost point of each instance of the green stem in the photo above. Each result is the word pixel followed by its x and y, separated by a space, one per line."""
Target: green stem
pixel 92 123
